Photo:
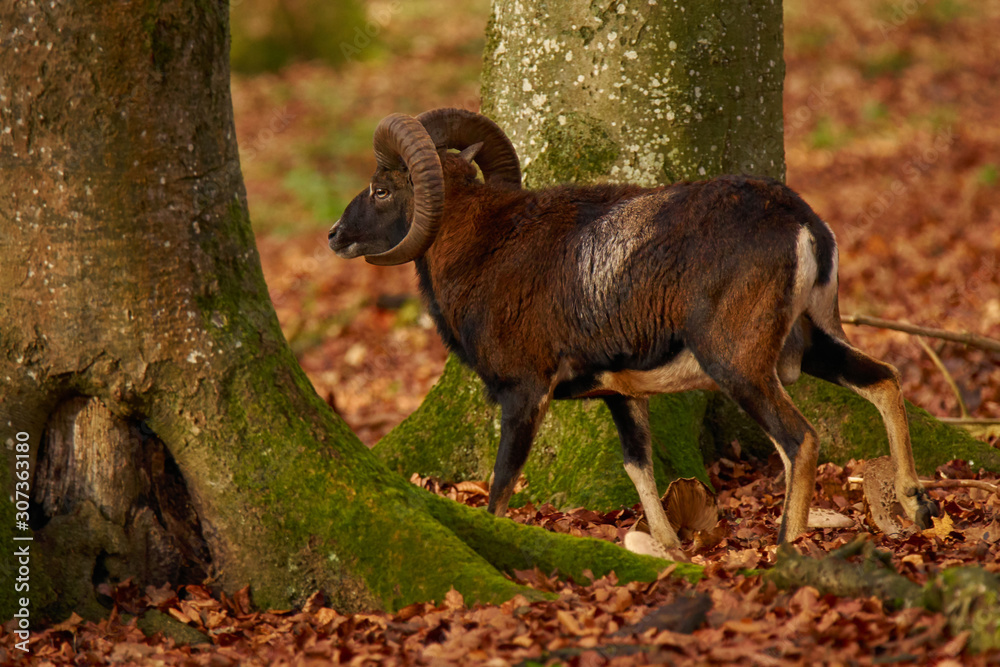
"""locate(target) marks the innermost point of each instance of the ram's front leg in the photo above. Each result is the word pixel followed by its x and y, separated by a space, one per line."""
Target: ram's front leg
pixel 522 410
pixel 631 417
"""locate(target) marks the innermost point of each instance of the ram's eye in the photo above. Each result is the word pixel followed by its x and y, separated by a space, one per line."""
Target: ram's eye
pixel 381 193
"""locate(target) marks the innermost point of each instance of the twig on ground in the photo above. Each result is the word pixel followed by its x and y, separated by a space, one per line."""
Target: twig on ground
pixel 947 376
pixel 970 421
pixel 983 429
pixel 945 484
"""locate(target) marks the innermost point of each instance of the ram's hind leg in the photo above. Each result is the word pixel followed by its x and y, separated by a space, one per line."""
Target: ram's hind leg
pixel 832 358
pixel 631 417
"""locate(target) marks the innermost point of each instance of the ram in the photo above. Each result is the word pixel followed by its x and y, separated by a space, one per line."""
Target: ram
pixel 619 292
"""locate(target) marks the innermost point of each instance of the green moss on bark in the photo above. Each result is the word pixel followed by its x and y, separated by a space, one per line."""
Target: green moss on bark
pixel 509 546
pixel 298 504
pixel 39 593
pixel 452 435
pixel 970 598
pixel 580 151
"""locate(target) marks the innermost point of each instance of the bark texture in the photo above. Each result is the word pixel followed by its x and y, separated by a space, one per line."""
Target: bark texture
pixel 140 353
pixel 646 93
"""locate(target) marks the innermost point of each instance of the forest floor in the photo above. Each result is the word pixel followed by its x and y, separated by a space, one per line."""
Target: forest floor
pixel 733 615
pixel 891 135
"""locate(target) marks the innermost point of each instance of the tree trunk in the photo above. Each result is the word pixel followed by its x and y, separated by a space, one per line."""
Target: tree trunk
pixel 647 93
pixel 165 426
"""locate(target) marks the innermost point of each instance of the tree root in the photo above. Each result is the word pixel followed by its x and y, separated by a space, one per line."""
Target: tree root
pixel 509 546
pixel 968 596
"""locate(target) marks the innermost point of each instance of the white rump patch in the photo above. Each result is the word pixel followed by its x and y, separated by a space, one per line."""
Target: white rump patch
pixel 823 300
pixel 806 271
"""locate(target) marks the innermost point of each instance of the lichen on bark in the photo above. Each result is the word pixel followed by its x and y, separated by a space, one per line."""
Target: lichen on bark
pixel 645 93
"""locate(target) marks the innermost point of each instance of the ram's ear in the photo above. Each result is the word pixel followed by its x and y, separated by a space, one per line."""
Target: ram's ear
pixel 469 153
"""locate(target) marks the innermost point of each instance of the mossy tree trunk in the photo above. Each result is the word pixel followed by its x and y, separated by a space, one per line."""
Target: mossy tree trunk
pixel 648 93
pixel 166 429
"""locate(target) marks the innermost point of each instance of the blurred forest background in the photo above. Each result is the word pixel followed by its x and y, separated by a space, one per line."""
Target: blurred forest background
pixel 891 135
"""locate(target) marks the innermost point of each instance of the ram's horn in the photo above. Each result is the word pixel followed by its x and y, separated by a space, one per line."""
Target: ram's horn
pixel 397 137
pixel 459 129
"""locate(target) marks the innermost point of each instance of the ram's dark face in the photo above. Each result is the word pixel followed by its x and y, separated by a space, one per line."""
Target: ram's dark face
pixel 377 219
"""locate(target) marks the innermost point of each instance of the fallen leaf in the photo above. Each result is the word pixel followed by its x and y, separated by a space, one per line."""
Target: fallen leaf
pixel 643 543
pixel 943 525
pixel 453 600
pixel 315 602
pixel 741 559
pixel 826 518
pixel 474 488
pixel 69 624
pixel 568 622
pixel 622 600
pixel 690 506
pixel 956 644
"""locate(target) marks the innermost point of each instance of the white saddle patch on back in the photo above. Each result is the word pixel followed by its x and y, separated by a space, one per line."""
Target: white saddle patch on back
pixel 606 246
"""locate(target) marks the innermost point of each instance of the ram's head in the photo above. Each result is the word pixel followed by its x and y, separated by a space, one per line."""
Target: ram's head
pixel 394 220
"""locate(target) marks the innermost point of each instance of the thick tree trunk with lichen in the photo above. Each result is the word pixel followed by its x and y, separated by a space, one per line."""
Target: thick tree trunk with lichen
pixel 647 93
pixel 156 424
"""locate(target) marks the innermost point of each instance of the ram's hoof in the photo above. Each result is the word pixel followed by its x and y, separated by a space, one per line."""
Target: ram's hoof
pixel 926 509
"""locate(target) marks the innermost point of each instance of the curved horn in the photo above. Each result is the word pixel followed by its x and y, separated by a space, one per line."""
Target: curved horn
pixel 458 128
pixel 400 136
